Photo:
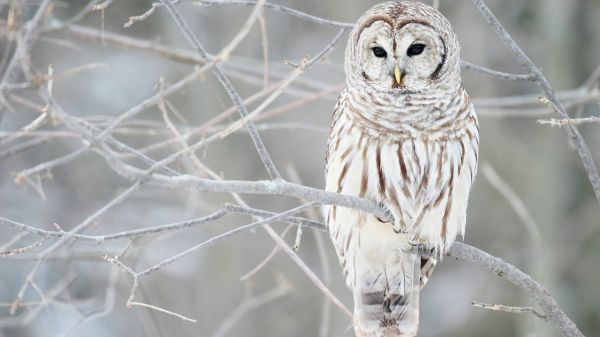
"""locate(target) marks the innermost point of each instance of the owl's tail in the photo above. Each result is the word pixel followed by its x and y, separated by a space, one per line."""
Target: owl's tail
pixel 387 304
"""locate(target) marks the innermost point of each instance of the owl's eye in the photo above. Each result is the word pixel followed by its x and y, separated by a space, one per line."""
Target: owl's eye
pixel 379 52
pixel 415 49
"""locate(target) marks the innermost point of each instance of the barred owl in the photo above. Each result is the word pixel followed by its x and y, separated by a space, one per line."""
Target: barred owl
pixel 404 133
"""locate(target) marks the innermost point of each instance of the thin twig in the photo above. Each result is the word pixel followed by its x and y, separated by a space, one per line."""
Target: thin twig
pixel 523 213
pixel 312 276
pixel 515 276
pixel 312 215
pixel 266 260
pixel 572 121
pixel 505 308
pixel 68 235
pixel 281 9
pixel 574 135
pixel 168 312
pixel 497 74
pixel 103 310
pixel 223 236
pixel 143 16
pixel 218 73
pixel 251 304
pixel 262 20
pixel 130 234
pixel 25 43
pixel 16 251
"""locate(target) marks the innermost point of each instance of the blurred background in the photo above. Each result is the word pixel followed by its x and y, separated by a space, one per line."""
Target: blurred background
pixel 532 204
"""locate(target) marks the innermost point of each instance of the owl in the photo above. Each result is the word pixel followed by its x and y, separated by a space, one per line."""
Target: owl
pixel 404 133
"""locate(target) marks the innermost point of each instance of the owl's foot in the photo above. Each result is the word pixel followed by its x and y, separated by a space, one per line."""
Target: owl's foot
pixel 388 214
pixel 397 224
pixel 420 249
pixel 399 228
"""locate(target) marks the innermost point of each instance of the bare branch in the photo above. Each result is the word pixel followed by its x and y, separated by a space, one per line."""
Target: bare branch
pixel 516 310
pixel 16 251
pixel 515 276
pixel 168 312
pixel 573 121
pixel 496 74
pixel 310 274
pixel 523 59
pixel 143 16
pixel 251 304
pixel 259 187
pixel 223 236
pixel 518 205
pixel 68 235
pixel 100 239
pixel 105 309
pixel 216 70
pixel 49 165
pixel 265 46
pixel 266 260
pixel 26 39
pixel 282 9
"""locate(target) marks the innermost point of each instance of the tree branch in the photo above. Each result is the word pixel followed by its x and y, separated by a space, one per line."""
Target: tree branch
pixel 218 73
pixel 515 276
pixel 574 135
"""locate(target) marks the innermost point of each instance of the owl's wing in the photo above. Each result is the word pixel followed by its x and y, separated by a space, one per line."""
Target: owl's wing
pixel 436 180
pixel 434 184
pixel 332 142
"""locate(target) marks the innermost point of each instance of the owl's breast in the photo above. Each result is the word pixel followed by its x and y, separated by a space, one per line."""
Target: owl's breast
pixel 424 182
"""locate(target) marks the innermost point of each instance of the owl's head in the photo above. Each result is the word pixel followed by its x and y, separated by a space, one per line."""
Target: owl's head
pixel 402 47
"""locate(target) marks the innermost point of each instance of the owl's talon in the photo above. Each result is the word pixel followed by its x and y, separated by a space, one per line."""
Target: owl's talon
pixel 398 229
pixel 387 212
pixel 421 249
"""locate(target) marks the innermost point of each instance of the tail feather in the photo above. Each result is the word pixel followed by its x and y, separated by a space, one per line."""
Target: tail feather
pixel 427 266
pixel 388 305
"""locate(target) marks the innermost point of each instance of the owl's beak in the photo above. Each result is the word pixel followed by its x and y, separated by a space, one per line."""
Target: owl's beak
pixel 397 75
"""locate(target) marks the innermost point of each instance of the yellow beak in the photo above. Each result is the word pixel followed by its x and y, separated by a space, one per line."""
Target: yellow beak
pixel 397 75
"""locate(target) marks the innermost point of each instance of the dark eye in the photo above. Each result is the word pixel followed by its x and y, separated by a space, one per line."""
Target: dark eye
pixel 379 52
pixel 415 49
